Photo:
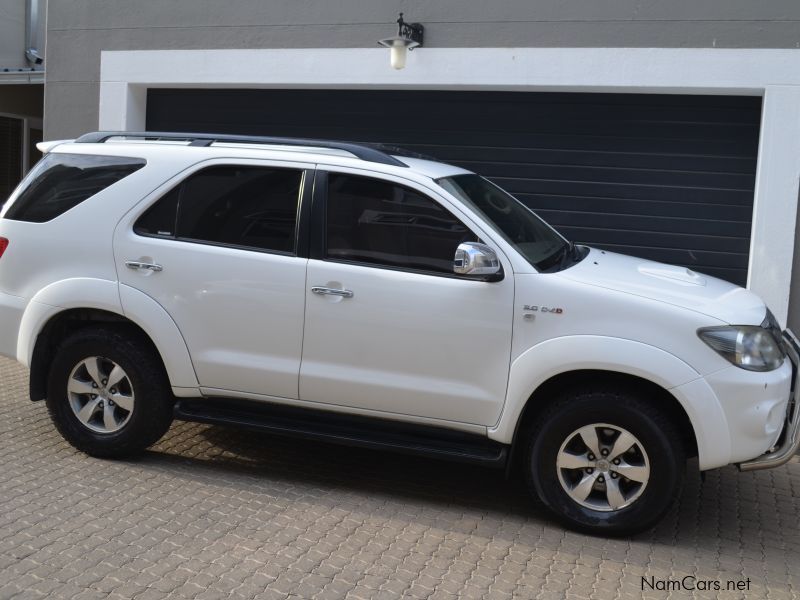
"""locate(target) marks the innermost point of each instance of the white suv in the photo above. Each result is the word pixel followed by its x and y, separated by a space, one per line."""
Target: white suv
pixel 348 293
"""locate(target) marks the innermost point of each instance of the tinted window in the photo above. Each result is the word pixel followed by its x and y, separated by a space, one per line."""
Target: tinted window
pixel 60 182
pixel 160 219
pixel 253 207
pixel 374 221
pixel 242 206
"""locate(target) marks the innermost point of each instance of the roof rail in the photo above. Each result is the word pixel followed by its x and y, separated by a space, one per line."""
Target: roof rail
pixel 399 151
pixel 363 152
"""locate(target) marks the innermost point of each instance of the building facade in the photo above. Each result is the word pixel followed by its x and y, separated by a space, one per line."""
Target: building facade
pixel 22 35
pixel 666 130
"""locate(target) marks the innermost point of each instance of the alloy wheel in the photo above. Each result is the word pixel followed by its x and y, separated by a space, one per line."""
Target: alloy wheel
pixel 100 395
pixel 603 467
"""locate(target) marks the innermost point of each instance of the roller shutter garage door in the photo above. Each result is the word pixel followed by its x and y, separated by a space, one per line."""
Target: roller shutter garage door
pixel 664 177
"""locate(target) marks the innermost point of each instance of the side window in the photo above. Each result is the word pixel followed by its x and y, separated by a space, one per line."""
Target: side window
pixel 233 205
pixel 60 182
pixel 378 222
pixel 160 219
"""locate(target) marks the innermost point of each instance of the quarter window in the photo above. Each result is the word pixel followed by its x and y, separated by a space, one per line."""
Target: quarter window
pixel 60 182
pixel 232 205
pixel 378 222
pixel 161 218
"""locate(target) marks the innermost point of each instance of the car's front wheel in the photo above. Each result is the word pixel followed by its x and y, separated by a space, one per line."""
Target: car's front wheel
pixel 606 461
pixel 108 394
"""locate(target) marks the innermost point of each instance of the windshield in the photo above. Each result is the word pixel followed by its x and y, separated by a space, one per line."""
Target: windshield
pixel 539 243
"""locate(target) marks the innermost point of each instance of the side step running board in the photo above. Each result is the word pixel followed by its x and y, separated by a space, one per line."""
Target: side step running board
pixel 350 430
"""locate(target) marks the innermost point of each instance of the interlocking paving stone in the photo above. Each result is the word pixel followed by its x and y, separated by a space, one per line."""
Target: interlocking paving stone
pixel 213 513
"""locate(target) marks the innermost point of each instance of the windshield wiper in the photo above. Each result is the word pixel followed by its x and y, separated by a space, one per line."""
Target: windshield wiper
pixel 554 261
pixel 569 255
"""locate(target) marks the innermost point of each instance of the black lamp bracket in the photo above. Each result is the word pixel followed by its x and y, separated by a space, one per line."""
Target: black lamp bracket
pixel 410 31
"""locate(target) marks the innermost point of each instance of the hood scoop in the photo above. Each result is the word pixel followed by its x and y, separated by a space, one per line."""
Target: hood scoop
pixel 678 286
pixel 677 274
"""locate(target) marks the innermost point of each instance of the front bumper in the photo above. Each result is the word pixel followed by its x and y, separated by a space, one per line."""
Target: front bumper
pixel 789 440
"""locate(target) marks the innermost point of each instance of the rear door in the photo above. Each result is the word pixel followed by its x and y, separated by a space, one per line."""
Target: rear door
pixel 218 250
pixel 397 331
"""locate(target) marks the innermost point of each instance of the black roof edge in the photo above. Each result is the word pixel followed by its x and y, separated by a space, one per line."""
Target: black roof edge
pixel 364 152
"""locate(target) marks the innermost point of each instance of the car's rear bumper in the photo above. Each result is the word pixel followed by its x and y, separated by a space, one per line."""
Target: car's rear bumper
pixel 11 310
pixel 789 441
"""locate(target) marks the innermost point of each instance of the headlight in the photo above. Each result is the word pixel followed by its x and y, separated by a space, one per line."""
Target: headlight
pixel 747 346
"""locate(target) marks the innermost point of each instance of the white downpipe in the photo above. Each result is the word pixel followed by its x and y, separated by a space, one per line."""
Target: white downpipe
pixel 32 33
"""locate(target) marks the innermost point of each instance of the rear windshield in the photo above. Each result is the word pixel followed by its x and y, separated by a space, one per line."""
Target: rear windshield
pixel 60 182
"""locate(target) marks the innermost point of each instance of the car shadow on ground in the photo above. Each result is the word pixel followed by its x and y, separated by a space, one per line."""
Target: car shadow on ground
pixel 327 473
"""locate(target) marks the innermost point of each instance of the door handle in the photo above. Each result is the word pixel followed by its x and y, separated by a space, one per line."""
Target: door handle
pixel 326 291
pixel 132 264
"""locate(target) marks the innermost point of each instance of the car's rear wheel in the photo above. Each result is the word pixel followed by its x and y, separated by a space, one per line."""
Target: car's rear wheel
pixel 108 394
pixel 605 461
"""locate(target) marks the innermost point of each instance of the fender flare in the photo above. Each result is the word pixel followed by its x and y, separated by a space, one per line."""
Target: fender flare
pixel 561 355
pixel 111 297
pixel 57 297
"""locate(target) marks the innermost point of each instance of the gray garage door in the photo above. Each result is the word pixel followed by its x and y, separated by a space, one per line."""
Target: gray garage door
pixel 665 177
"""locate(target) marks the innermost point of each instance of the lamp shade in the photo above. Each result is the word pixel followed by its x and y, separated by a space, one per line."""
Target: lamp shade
pixel 398 47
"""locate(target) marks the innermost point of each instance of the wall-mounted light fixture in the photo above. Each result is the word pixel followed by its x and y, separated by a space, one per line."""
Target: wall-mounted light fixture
pixel 409 36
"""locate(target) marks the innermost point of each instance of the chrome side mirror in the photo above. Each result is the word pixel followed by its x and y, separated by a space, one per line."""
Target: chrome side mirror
pixel 478 260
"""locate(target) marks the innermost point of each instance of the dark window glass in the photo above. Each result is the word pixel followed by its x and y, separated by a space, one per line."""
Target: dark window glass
pixel 160 218
pixel 375 221
pixel 60 182
pixel 11 136
pixel 255 207
pixel 35 136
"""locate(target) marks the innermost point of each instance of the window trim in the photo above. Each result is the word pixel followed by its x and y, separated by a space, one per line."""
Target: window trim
pixel 319 221
pixel 304 198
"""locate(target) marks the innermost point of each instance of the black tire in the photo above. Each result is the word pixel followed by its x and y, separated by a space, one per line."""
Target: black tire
pixel 653 429
pixel 151 415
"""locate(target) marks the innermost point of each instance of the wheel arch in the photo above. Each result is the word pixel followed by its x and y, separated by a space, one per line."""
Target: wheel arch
pixel 544 370
pixel 45 324
pixel 556 386
pixel 61 325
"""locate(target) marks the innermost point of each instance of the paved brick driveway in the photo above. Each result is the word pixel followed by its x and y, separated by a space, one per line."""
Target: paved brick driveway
pixel 214 513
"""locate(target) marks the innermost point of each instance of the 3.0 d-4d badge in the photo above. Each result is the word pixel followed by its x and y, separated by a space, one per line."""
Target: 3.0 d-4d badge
pixel 544 309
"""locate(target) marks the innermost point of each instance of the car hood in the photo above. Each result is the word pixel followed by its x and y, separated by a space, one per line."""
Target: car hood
pixel 678 286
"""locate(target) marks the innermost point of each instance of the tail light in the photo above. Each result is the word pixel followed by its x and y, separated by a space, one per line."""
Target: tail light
pixel 3 245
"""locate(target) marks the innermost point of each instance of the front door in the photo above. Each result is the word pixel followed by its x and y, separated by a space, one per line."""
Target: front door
pixel 389 326
pixel 218 252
